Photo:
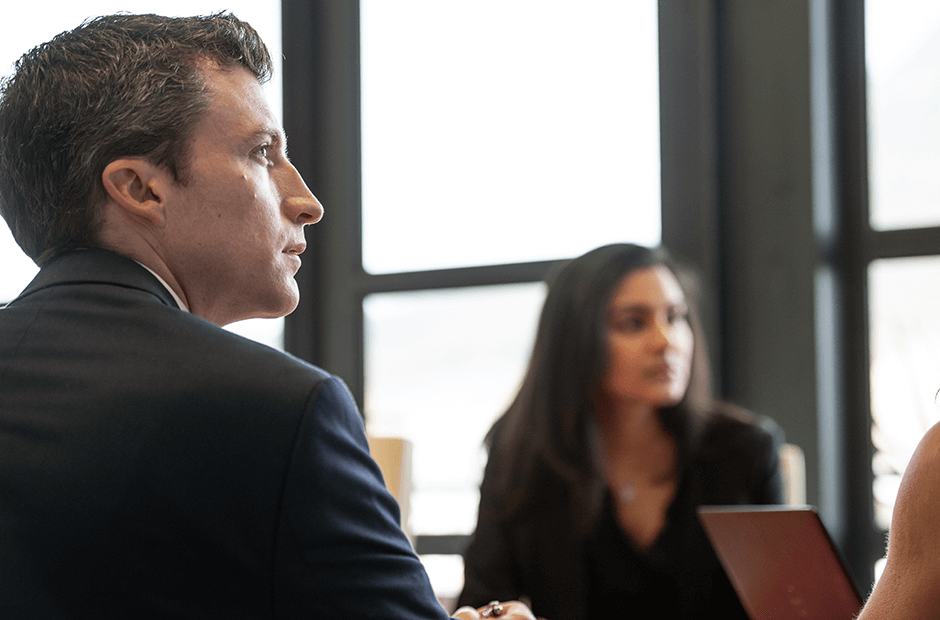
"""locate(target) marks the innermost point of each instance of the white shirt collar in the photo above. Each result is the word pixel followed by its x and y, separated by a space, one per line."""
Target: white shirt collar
pixel 179 301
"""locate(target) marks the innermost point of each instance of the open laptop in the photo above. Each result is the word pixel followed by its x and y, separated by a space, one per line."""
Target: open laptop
pixel 781 562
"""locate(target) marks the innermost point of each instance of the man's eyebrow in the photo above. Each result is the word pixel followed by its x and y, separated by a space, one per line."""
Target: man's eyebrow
pixel 273 133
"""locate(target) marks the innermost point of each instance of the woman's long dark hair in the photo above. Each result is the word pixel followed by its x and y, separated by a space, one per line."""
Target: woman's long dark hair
pixel 550 428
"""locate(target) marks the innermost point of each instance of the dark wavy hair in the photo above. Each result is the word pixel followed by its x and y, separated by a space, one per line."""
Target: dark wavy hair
pixel 550 428
pixel 116 86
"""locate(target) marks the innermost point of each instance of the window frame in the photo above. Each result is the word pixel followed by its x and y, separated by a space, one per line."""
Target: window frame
pixel 862 245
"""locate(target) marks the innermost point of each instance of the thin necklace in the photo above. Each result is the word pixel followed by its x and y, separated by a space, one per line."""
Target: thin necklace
pixel 627 493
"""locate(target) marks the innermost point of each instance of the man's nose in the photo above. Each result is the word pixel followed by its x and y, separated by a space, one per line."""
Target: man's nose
pixel 299 203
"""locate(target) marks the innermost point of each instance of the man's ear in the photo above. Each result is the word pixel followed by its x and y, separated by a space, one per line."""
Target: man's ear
pixel 137 186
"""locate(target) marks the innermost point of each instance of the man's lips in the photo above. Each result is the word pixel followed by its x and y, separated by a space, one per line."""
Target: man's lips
pixel 294 253
pixel 296 249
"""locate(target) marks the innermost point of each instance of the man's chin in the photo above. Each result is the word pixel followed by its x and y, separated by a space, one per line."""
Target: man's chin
pixel 283 310
pixel 274 308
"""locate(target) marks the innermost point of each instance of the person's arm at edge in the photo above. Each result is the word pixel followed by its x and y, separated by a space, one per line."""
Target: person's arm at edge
pixel 908 587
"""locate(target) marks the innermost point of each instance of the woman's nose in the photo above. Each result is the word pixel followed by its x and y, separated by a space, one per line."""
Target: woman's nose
pixel 662 335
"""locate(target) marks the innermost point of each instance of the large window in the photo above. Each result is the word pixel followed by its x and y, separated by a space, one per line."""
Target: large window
pixel 502 131
pixel 903 96
pixel 765 137
pixel 493 133
pixel 26 24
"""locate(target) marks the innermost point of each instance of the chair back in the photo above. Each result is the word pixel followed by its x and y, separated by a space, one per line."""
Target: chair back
pixel 393 455
pixel 793 468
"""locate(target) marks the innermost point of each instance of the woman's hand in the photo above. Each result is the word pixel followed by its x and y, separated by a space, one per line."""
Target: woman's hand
pixel 513 610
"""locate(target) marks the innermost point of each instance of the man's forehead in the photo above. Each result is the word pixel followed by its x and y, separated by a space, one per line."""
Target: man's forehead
pixel 237 100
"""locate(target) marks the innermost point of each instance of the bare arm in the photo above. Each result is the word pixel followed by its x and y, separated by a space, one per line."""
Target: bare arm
pixel 910 585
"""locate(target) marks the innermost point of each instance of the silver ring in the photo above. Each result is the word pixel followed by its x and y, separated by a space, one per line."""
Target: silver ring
pixel 494 609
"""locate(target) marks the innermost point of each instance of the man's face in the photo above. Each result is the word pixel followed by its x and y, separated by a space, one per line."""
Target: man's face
pixel 234 231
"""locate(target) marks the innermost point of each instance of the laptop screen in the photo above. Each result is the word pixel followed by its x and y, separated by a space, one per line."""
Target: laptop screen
pixel 781 561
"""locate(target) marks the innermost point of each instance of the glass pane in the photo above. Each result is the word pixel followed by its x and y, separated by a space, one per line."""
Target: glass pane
pixel 26 24
pixel 903 53
pixel 500 131
pixel 265 331
pixel 905 367
pixel 17 268
pixel 440 366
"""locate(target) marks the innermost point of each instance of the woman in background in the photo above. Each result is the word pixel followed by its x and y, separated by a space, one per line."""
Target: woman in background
pixel 588 502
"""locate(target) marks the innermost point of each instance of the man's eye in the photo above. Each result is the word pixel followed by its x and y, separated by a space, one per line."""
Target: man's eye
pixel 262 152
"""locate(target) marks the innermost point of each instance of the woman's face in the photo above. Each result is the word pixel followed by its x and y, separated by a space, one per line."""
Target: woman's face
pixel 649 340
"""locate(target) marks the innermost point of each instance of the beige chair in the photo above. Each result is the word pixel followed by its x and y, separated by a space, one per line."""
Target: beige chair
pixel 793 468
pixel 393 455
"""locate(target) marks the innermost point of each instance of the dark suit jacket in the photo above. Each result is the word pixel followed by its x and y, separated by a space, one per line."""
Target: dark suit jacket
pixel 153 465
pixel 539 555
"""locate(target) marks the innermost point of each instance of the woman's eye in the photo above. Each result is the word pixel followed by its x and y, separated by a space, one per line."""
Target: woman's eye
pixel 678 315
pixel 629 324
